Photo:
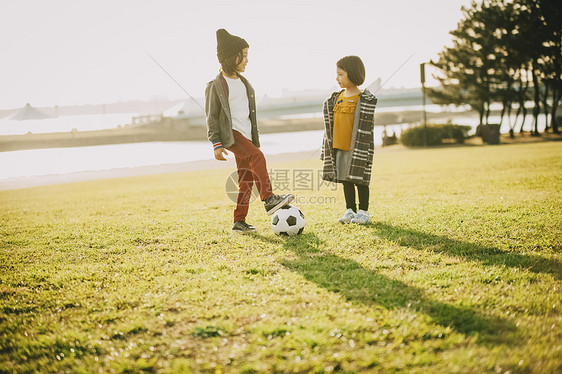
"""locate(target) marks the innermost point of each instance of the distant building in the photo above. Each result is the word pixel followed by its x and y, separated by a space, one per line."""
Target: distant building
pixel 28 112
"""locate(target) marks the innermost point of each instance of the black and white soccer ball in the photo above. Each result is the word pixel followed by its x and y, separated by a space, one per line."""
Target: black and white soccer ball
pixel 288 220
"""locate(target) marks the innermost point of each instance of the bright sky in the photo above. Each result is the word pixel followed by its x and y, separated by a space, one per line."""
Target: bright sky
pixel 90 52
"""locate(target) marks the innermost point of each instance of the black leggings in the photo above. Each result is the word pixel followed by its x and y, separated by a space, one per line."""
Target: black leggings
pixel 349 193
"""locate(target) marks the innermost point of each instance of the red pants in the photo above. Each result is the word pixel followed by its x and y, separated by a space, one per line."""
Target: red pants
pixel 251 166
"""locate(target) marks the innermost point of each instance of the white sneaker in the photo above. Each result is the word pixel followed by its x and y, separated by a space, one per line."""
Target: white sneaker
pixel 347 217
pixel 361 217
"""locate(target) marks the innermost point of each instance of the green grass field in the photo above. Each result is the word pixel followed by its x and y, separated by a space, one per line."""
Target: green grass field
pixel 458 272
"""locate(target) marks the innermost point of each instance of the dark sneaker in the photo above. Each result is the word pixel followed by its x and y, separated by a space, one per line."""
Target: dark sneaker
pixel 276 202
pixel 242 226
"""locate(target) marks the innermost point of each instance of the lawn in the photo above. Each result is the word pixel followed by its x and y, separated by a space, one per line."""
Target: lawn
pixel 458 272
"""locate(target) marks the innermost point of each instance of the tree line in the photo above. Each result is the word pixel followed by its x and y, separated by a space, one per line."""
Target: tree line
pixel 507 52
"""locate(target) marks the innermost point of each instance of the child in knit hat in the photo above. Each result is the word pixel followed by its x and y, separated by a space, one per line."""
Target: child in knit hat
pixel 230 107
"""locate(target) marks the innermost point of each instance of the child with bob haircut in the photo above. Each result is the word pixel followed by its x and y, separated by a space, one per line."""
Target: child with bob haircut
pixel 348 145
pixel 230 108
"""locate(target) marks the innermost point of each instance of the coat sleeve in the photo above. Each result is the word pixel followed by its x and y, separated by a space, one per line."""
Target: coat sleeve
pixel 325 137
pixel 375 101
pixel 212 112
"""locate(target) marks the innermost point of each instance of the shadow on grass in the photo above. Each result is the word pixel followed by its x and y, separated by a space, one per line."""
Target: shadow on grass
pixel 470 251
pixel 364 286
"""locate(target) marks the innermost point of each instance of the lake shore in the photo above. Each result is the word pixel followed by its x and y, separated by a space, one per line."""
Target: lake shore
pixel 210 164
pixel 44 180
pixel 167 132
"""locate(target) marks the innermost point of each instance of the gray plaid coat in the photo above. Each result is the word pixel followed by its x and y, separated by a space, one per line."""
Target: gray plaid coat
pixel 360 158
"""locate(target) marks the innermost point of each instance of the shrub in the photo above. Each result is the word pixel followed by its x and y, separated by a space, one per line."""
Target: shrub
pixel 414 136
pixel 456 132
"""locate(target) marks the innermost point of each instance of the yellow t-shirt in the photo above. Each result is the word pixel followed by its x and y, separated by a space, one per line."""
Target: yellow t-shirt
pixel 344 115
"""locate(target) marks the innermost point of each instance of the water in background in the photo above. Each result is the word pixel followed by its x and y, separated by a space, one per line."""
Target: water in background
pixel 65 123
pixel 40 162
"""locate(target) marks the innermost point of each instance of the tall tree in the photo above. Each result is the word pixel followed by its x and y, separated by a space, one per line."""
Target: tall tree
pixel 465 68
pixel 501 49
pixel 550 14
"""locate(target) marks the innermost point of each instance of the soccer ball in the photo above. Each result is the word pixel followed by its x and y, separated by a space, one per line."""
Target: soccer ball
pixel 288 220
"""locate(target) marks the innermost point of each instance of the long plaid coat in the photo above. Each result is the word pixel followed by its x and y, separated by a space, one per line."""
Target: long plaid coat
pixel 360 157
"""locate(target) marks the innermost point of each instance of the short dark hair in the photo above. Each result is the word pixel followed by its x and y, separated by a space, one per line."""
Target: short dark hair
pixel 354 68
pixel 229 64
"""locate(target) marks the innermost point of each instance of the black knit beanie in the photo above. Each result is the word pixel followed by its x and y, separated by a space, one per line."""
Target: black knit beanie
pixel 228 45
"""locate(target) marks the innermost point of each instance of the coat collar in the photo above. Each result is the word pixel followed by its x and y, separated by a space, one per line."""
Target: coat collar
pixel 223 85
pixel 222 90
pixel 366 95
